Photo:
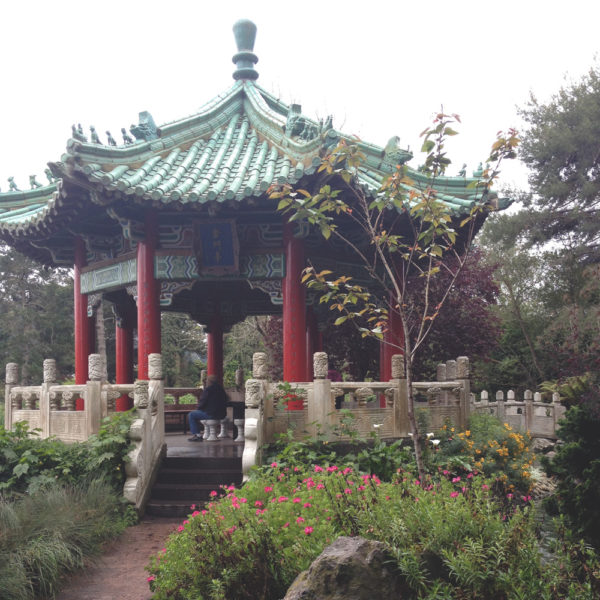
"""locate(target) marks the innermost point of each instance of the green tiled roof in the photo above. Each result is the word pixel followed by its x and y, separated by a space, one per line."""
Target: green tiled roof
pixel 232 150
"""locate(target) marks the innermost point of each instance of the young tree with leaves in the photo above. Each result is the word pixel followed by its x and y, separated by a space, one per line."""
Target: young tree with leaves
pixel 434 242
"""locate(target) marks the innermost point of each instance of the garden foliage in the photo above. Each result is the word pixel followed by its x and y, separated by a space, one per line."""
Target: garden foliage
pixel 576 464
pixel 450 537
pixel 51 532
pixel 28 462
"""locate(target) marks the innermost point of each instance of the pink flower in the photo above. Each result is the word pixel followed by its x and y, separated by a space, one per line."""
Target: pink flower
pixel 417 482
pixel 258 503
pixel 446 472
pixel 307 505
pixel 347 470
pixel 151 578
pixel 470 476
pixel 213 493
pixel 296 500
pixel 308 530
pixel 455 479
pixel 485 487
pixel 193 507
pixel 347 491
pixel 331 469
pixel 283 499
pixel 388 498
pixel 186 522
pixel 268 489
pixel 296 469
pixel 273 464
pixel 180 528
pixel 286 525
pixel 320 486
pixel 260 512
pixel 300 520
pixel 318 469
pixel 509 496
pixel 231 529
pixel 195 513
pixel 416 499
pixel 204 512
pixel 243 500
pixel 453 494
pixel 360 488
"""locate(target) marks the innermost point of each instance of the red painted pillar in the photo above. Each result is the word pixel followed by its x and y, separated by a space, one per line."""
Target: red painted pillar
pixel 393 343
pixel 214 348
pixel 84 326
pixel 124 356
pixel 148 308
pixel 294 309
pixel 311 341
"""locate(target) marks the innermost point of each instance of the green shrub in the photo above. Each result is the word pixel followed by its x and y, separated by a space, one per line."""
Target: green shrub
pixel 451 538
pixel 576 465
pixel 49 533
pixel 487 446
pixel 28 462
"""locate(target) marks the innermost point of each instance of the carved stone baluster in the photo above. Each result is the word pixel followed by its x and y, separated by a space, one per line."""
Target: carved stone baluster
pixel 55 400
pixel 68 400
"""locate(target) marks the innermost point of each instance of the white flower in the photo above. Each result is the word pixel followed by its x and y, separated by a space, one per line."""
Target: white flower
pixel 430 435
pixel 377 425
pixel 435 442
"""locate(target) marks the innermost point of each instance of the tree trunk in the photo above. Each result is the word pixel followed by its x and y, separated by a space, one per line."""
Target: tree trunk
pixel 414 427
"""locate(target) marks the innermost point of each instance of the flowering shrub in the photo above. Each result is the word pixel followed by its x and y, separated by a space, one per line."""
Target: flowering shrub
pixel 449 536
pixel 489 447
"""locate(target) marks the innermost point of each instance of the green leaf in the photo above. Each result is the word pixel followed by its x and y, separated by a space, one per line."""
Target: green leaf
pixel 340 320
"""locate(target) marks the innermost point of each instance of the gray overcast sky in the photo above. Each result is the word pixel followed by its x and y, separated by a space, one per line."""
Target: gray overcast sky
pixel 381 68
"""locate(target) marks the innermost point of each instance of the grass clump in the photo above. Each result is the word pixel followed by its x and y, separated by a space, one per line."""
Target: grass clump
pixel 52 532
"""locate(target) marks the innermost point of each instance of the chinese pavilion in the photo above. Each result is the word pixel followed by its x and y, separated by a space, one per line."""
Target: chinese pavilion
pixel 180 219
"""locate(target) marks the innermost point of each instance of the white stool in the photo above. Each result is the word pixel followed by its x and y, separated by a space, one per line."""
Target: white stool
pixel 211 426
pixel 239 423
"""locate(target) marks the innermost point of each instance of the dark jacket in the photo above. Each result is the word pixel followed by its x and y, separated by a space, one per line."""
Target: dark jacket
pixel 213 401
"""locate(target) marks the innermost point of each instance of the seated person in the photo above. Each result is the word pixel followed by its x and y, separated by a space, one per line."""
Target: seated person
pixel 212 405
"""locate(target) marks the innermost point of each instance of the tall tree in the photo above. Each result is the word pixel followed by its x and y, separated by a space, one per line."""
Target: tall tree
pixel 393 257
pixel 562 148
pixel 36 315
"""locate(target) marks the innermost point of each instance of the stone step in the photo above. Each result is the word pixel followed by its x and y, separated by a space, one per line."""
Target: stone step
pixel 200 475
pixel 192 492
pixel 169 508
pixel 213 463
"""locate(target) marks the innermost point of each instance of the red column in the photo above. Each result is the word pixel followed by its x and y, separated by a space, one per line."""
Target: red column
pixel 294 309
pixel 214 348
pixel 393 343
pixel 124 356
pixel 311 341
pixel 148 308
pixel 84 326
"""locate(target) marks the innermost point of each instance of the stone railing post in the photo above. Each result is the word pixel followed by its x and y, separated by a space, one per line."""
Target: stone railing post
pixel 463 374
pixel 239 378
pixel 12 379
pixel 500 402
pixel 484 398
pixel 49 380
pixel 529 421
pixel 156 394
pixel 441 372
pixel 401 425
pixel 93 394
pixel 255 417
pixel 320 405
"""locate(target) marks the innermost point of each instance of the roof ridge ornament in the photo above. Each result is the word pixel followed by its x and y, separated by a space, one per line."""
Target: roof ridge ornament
pixel 244 32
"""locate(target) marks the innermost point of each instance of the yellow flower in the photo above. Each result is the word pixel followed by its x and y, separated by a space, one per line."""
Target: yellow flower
pixel 467 432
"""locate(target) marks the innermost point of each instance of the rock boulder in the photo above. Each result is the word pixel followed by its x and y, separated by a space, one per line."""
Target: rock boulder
pixel 352 568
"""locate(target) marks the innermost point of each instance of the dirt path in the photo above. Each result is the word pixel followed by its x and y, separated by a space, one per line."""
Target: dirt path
pixel 118 574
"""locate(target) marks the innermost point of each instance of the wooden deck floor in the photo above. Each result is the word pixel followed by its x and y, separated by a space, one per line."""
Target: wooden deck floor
pixel 178 445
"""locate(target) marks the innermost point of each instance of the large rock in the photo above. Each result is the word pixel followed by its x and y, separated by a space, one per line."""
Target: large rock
pixel 352 568
pixel 542 445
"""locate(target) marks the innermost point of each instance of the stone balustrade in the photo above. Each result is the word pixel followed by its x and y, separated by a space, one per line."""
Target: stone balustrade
pixel 50 409
pixel 375 407
pixel 530 414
